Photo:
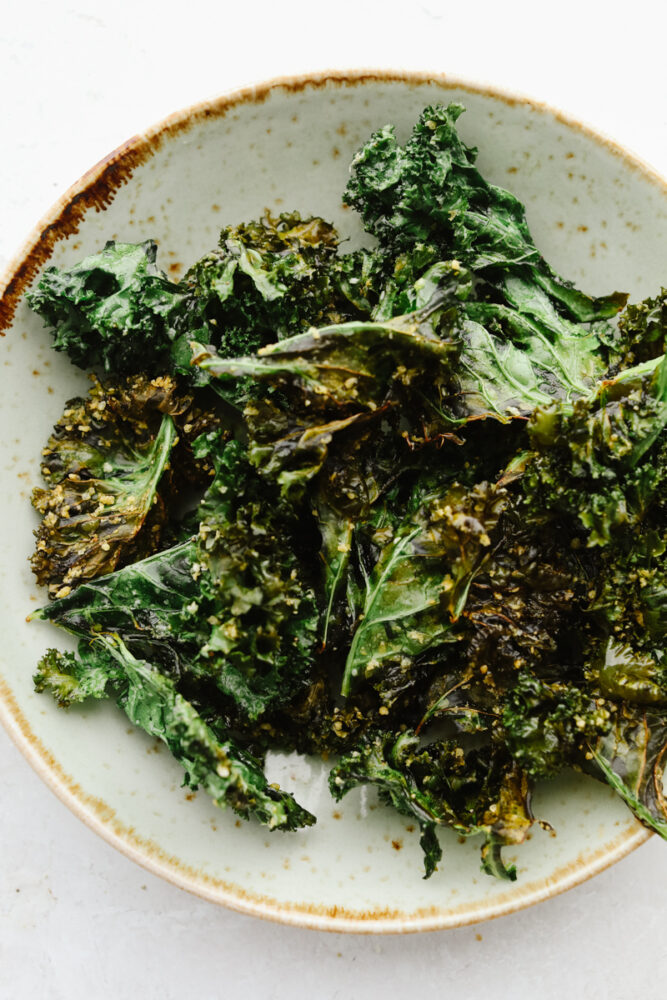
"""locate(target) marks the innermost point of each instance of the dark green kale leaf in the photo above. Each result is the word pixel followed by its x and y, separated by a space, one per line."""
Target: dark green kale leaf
pixel 231 605
pixel 230 775
pixel 420 584
pixel 520 625
pixel 429 191
pixel 356 502
pixel 380 760
pixel 598 475
pixel 514 355
pixel 255 593
pixel 115 310
pixel 628 605
pixel 433 365
pixel 358 279
pixel 106 468
pixel 473 791
pixel 266 280
pixel 542 352
pixel 314 387
pixel 353 363
pixel 337 535
pixel 143 603
pixel 643 328
pixel 593 458
pixel 547 727
pixel 445 360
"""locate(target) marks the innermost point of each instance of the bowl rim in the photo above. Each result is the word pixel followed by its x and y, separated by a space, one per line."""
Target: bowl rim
pixel 96 189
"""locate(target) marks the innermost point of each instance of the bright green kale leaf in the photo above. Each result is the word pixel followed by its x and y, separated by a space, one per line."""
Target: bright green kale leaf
pixel 105 466
pixel 420 584
pixel 514 355
pixel 114 310
pixel 544 351
pixel 255 594
pixel 230 775
pixel 503 380
pixel 72 679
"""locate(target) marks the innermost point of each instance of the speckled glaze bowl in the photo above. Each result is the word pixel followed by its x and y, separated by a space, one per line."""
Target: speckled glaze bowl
pixel 598 215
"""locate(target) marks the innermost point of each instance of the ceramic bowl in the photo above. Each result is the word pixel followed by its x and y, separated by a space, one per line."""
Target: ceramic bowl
pixel 598 215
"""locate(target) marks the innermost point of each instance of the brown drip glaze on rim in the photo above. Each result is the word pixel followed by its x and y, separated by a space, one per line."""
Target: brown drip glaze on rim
pixel 96 190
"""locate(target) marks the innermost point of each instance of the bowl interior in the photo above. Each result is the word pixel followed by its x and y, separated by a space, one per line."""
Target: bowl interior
pixel 599 218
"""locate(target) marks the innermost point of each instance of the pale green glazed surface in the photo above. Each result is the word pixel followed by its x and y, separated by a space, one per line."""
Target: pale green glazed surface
pixel 598 218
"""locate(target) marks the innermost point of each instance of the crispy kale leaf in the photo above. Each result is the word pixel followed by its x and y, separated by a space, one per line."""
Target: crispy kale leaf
pixel 230 605
pixel 474 791
pixel 144 603
pixel 114 310
pixel 117 311
pixel 429 191
pixel 513 356
pixel 548 726
pixel 105 466
pixel 419 585
pixel 643 328
pixel 434 366
pixel 630 757
pixel 315 387
pixel 231 776
pixel 592 458
pixel 266 280
pixel 72 679
pixel 599 471
pixel 262 614
pixel 349 363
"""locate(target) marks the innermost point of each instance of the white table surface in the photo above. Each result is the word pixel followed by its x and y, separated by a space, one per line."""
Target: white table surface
pixel 77 919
